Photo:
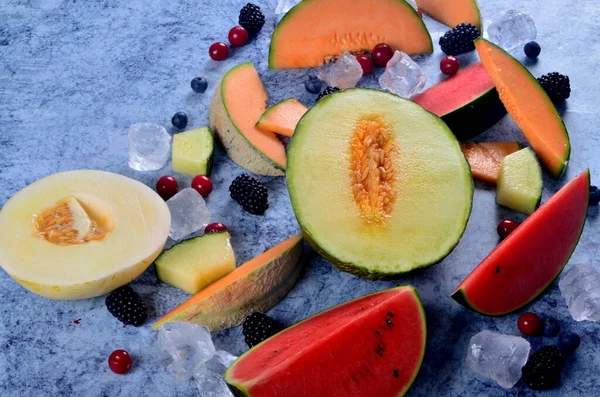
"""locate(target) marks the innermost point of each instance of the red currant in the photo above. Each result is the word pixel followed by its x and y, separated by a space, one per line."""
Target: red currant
pixel 365 63
pixel 381 54
pixel 530 324
pixel 203 185
pixel 167 187
pixel 506 227
pixel 120 362
pixel 215 228
pixel 238 36
pixel 218 51
pixel 449 65
pixel 420 13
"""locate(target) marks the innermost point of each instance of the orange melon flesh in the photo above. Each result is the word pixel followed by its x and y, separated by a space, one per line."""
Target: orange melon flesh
pixel 452 12
pixel 486 158
pixel 528 105
pixel 282 117
pixel 316 31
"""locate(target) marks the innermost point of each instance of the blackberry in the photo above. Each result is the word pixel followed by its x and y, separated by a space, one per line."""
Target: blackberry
pixel 250 194
pixel 459 40
pixel 327 91
pixel 259 327
pixel 252 18
pixel 556 85
pixel 127 306
pixel 542 370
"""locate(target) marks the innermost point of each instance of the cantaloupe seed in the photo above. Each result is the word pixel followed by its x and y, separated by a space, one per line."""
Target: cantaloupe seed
pixel 372 172
pixel 67 223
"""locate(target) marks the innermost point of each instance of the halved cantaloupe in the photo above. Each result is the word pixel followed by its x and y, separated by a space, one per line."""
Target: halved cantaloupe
pixel 239 100
pixel 485 159
pixel 282 117
pixel 256 286
pixel 452 12
pixel 528 105
pixel 81 234
pixel 315 32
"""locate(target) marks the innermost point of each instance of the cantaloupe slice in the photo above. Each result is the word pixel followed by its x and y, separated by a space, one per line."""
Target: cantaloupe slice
pixel 452 12
pixel 80 234
pixel 239 100
pixel 256 286
pixel 315 32
pixel 282 117
pixel 528 105
pixel 486 158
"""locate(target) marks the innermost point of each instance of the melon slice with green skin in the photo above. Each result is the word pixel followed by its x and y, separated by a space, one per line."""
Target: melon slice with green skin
pixel 316 32
pixel 452 12
pixel 524 264
pixel 194 264
pixel 282 117
pixel 485 159
pixel 371 346
pixel 239 100
pixel 520 182
pixel 80 234
pixel 193 152
pixel 468 102
pixel 528 105
pixel 256 286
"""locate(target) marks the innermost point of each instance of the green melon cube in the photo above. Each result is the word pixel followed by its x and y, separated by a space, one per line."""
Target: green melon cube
pixel 193 152
pixel 520 182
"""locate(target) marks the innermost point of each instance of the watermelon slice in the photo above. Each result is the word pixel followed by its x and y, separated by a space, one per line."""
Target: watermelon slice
pixel 371 346
pixel 531 257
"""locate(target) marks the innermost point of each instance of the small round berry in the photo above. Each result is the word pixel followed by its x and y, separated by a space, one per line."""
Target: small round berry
pixel 381 54
pixel 449 65
pixel 568 342
pixel 365 63
pixel 238 36
pixel 167 187
pixel 203 185
pixel 594 195
pixel 179 120
pixel 551 327
pixel 530 324
pixel 313 84
pixel 420 12
pixel 120 362
pixel 215 228
pixel 218 51
pixel 532 49
pixel 199 85
pixel 506 227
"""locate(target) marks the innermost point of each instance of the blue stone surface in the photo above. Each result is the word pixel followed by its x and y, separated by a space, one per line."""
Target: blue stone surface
pixel 75 74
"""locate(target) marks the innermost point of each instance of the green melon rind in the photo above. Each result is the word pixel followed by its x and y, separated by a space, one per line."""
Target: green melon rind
pixel 355 269
pixel 238 147
pixel 298 7
pixel 239 390
pixel 272 108
pixel 461 297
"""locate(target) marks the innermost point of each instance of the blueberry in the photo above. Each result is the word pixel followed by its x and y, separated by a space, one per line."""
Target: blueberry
pixel 199 84
pixel 179 120
pixel 568 342
pixel 551 327
pixel 532 49
pixel 594 195
pixel 313 85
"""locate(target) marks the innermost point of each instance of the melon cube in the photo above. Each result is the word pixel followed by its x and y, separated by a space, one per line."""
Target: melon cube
pixel 520 182
pixel 193 152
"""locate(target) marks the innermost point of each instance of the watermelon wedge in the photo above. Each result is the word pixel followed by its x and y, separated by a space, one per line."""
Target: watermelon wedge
pixel 530 258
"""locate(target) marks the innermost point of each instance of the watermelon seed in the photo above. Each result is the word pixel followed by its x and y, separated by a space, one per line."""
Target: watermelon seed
pixel 498 270
pixel 362 309
pixel 379 350
pixel 377 332
pixel 390 314
pixel 396 374
pixel 389 322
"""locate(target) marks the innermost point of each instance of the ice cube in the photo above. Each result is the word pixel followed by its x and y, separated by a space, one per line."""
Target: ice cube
pixel 514 29
pixel 188 213
pixel 284 6
pixel 498 356
pixel 403 76
pixel 344 73
pixel 209 379
pixel 580 286
pixel 149 146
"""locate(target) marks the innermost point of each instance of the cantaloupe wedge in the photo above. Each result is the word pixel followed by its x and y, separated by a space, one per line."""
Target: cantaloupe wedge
pixel 256 286
pixel 282 117
pixel 452 12
pixel 486 158
pixel 239 100
pixel 528 105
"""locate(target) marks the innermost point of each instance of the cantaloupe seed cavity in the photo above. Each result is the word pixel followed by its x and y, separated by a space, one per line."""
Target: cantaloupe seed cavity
pixel 372 172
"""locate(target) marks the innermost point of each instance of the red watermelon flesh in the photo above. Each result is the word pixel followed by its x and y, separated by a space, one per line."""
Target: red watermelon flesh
pixel 530 258
pixel 371 346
